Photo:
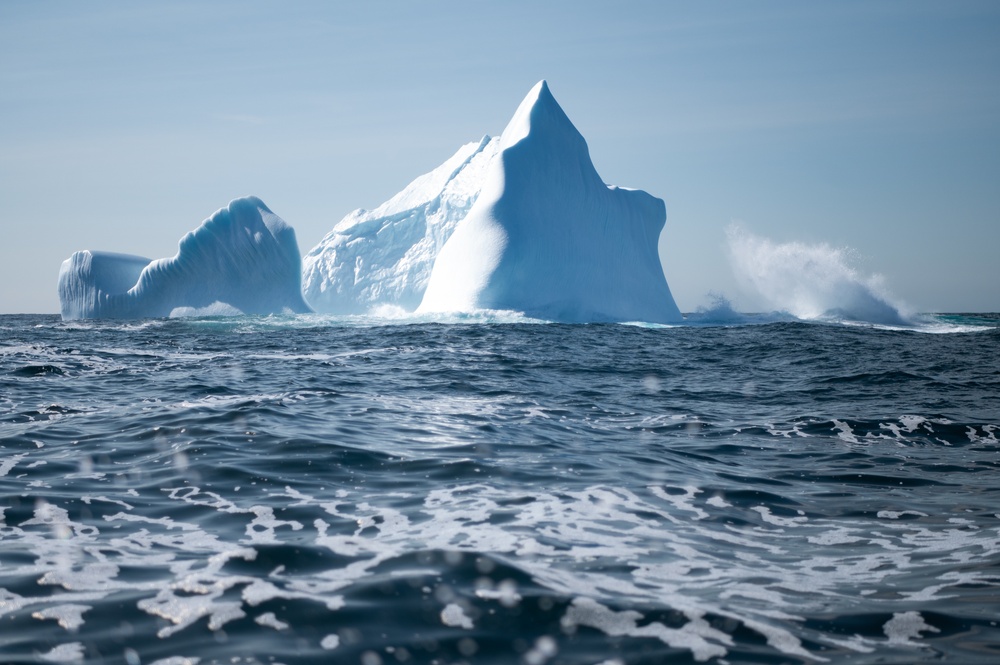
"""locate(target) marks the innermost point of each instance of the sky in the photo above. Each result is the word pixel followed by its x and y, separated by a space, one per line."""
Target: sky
pixel 871 125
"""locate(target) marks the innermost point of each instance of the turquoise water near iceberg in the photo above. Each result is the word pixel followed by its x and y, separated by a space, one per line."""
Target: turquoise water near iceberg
pixel 312 489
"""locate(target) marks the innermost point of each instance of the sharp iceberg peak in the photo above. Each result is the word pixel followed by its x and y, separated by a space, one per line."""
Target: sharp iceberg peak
pixel 539 113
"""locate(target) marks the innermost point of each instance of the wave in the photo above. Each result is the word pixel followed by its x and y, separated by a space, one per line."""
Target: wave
pixel 812 281
pixel 720 312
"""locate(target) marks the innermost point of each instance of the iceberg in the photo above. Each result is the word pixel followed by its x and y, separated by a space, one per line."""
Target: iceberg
pixel 548 238
pixel 522 222
pixel 383 257
pixel 244 258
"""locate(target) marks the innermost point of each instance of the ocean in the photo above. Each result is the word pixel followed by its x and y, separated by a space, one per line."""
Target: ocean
pixel 308 489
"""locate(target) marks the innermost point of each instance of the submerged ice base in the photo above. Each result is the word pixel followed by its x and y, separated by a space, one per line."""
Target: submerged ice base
pixel 243 258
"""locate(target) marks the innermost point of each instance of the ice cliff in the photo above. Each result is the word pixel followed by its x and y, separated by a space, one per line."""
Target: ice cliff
pixel 523 222
pixel 243 258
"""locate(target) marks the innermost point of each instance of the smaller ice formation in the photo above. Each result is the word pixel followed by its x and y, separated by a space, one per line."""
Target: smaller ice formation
pixel 811 281
pixel 384 257
pixel 243 258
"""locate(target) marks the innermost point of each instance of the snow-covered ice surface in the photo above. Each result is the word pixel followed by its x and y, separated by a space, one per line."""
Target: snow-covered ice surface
pixel 383 257
pixel 243 259
pixel 548 238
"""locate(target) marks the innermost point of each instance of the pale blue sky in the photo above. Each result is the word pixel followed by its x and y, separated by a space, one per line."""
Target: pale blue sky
pixel 874 125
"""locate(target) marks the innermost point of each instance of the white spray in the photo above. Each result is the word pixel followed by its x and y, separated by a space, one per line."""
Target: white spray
pixel 811 281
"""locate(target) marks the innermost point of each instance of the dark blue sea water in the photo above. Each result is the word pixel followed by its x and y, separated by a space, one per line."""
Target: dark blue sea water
pixel 301 489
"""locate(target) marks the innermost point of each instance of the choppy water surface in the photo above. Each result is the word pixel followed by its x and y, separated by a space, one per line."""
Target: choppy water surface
pixel 308 490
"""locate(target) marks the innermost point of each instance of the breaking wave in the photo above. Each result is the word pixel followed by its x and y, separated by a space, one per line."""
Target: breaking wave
pixel 812 281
